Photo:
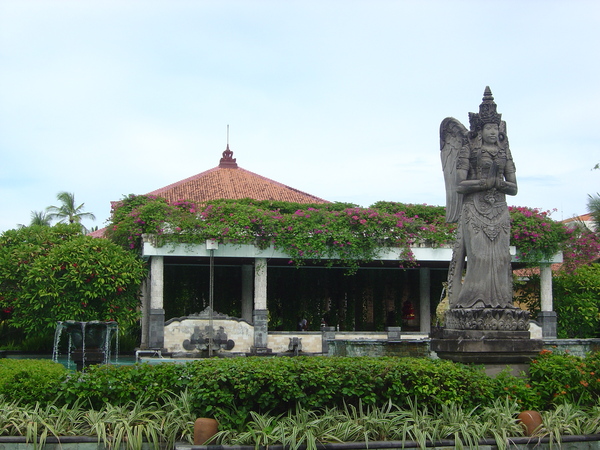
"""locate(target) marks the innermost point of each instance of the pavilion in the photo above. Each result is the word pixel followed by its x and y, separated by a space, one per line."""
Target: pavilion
pixel 245 270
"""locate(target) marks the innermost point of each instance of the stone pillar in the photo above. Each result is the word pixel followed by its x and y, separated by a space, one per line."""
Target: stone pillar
pixel 261 331
pixel 145 308
pixel 260 283
pixel 156 323
pixel 546 317
pixel 261 326
pixel 546 287
pixel 247 292
pixel 425 299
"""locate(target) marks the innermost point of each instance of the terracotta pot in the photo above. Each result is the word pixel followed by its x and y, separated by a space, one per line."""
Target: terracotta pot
pixel 204 430
pixel 531 421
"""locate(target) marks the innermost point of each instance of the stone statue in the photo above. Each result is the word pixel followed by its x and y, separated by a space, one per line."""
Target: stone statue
pixel 479 172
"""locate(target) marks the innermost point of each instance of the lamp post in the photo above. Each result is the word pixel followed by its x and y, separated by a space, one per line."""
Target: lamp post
pixel 211 245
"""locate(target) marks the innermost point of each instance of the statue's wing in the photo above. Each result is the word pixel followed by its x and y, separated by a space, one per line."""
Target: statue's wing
pixel 453 136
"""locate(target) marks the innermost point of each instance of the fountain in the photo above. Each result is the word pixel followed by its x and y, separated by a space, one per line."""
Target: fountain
pixel 89 342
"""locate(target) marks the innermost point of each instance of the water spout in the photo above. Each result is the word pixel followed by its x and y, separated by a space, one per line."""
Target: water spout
pixel 88 343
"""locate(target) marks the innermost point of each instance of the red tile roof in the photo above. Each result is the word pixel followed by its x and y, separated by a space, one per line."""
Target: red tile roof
pixel 581 218
pixel 99 233
pixel 228 181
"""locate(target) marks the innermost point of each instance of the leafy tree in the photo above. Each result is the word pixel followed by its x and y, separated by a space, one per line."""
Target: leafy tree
pixel 20 248
pixel 576 295
pixel 68 211
pixel 49 274
pixel 577 302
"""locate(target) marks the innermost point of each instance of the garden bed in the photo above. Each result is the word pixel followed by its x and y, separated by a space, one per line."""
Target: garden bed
pixel 296 402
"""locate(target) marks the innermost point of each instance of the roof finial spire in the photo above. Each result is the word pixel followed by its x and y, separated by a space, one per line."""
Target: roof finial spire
pixel 228 161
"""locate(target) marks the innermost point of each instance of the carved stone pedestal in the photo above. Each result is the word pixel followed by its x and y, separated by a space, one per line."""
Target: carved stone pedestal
pixel 491 337
pixel 500 319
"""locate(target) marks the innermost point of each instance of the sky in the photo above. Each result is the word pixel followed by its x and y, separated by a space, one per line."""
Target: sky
pixel 342 99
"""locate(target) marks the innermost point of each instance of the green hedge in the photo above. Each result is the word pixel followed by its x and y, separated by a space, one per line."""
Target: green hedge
pixel 236 386
pixel 30 380
pixel 277 383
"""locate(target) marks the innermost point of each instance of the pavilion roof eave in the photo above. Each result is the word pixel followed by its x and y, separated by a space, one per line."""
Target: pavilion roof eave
pixel 252 251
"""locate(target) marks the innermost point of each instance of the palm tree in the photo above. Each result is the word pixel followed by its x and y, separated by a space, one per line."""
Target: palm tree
pixel 40 218
pixel 67 211
pixel 593 206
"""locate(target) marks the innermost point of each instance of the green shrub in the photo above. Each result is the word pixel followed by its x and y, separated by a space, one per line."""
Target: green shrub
pixel 519 390
pixel 278 384
pixel 554 378
pixel 118 385
pixel 237 386
pixel 231 388
pixel 565 378
pixel 30 380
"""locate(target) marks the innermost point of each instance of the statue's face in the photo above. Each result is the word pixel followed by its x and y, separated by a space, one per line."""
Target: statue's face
pixel 489 133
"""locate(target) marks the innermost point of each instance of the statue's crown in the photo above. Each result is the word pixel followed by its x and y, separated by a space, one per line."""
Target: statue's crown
pixel 487 112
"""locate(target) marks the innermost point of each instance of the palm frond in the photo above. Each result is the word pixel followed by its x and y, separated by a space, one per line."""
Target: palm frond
pixel 593 206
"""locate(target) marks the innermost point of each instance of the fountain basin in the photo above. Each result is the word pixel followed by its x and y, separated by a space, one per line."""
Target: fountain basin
pixel 88 342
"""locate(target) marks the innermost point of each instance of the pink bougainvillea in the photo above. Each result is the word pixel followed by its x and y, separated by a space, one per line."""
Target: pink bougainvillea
pixel 341 232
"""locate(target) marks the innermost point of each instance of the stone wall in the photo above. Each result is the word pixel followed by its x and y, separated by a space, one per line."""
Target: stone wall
pixel 363 335
pixel 357 347
pixel 187 335
pixel 577 347
pixel 194 329
pixel 240 332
